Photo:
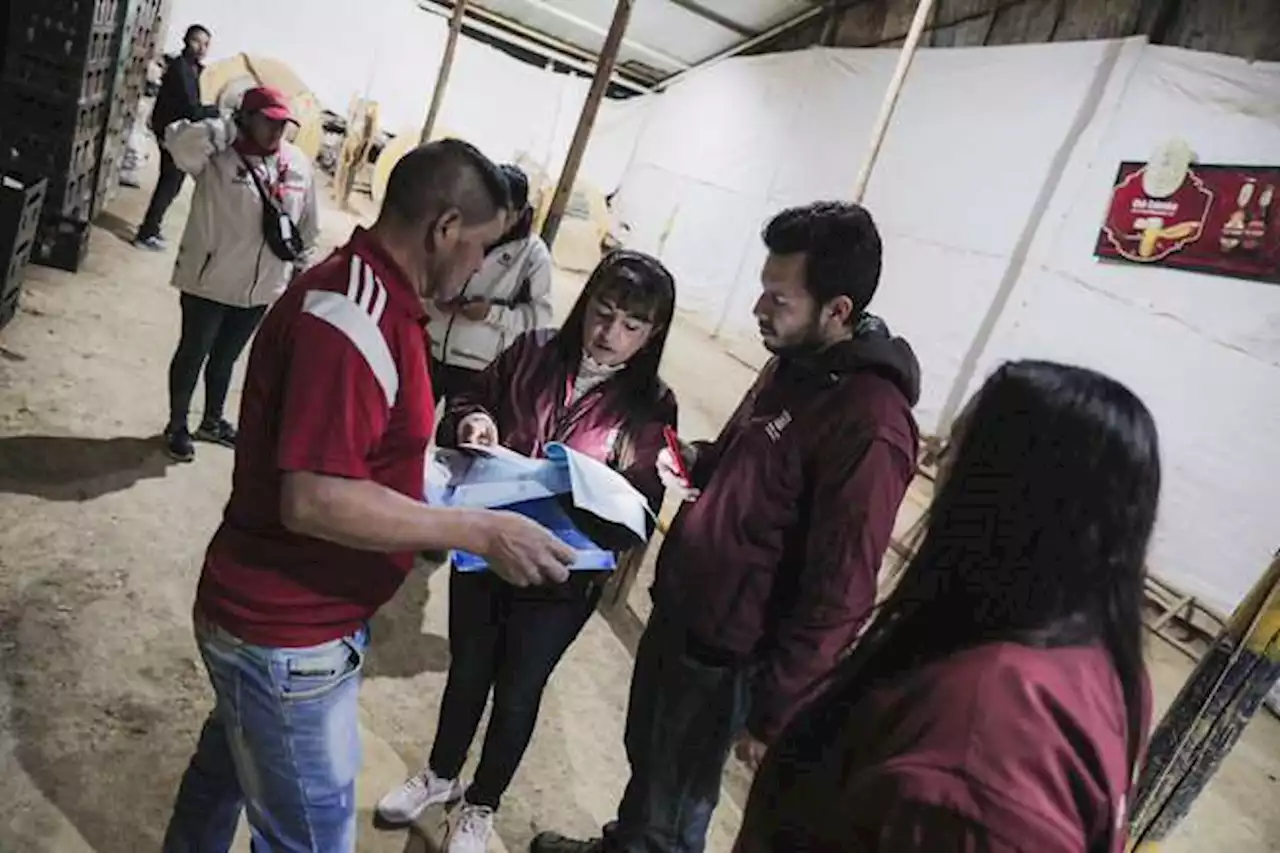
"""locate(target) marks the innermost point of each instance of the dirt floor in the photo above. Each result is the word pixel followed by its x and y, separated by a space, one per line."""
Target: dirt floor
pixel 101 692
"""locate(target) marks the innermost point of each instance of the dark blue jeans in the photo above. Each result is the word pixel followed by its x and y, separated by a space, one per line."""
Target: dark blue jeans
pixel 684 713
pixel 508 641
pixel 283 742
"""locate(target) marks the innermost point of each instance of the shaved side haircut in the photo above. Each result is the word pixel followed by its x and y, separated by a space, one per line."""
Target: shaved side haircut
pixel 445 175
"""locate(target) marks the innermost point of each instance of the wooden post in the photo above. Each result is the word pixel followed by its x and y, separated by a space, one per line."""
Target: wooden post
pixel 923 10
pixel 599 83
pixel 1209 715
pixel 446 65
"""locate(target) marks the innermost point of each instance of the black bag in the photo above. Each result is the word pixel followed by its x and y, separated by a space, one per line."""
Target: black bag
pixel 278 228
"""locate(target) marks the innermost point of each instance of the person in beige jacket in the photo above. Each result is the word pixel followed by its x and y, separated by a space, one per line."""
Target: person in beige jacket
pixel 226 271
pixel 510 295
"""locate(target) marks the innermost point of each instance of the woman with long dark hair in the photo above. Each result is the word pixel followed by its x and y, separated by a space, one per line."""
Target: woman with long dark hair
pixel 998 702
pixel 593 385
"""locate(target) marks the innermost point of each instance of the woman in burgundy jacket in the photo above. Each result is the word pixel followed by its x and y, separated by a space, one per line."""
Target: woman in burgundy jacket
pixel 998 702
pixel 592 385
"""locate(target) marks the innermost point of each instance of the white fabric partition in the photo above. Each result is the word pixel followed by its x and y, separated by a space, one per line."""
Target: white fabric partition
pixel 1202 351
pixel 989 191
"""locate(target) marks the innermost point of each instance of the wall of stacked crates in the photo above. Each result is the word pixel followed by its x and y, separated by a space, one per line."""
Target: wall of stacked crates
pixel 72 73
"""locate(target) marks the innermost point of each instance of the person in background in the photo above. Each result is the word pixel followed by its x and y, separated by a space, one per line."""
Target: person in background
pixel 225 271
pixel 510 295
pixel 999 702
pixel 503 638
pixel 769 570
pixel 326 513
pixel 177 100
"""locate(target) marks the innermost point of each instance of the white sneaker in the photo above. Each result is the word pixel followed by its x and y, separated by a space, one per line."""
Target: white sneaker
pixel 419 793
pixel 470 834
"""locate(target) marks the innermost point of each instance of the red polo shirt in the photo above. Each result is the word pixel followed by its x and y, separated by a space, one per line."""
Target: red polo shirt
pixel 337 384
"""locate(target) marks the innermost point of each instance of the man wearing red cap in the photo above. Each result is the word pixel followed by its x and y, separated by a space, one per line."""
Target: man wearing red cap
pixel 228 270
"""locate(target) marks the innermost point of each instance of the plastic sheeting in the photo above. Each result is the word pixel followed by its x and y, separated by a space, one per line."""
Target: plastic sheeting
pixel 989 191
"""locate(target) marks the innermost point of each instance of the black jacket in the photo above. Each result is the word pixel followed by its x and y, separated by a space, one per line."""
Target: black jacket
pixel 179 96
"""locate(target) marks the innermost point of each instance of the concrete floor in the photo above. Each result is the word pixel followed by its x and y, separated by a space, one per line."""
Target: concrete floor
pixel 101 693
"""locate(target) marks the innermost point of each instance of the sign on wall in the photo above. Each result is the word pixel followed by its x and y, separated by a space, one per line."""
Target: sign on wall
pixel 1217 219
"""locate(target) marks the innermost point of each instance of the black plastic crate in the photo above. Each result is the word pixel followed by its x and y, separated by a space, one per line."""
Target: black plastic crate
pixel 34 155
pixel 61 243
pixel 27 111
pixel 71 194
pixel 59 21
pixel 21 200
pixel 9 305
pixel 55 81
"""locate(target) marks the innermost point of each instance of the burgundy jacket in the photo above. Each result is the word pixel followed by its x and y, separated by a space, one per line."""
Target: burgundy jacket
pixel 1001 747
pixel 526 389
pixel 776 561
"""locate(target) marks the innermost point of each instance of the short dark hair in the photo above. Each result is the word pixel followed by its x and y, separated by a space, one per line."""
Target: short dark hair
pixel 841 245
pixel 195 29
pixel 444 175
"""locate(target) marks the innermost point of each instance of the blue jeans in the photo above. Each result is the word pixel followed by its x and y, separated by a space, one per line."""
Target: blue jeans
pixel 282 741
pixel 683 715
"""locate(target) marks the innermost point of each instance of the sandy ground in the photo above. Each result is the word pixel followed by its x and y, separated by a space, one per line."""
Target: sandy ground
pixel 101 692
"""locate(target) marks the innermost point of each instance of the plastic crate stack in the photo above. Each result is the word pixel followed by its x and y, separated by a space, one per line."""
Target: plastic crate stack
pixel 20 206
pixel 143 28
pixel 54 96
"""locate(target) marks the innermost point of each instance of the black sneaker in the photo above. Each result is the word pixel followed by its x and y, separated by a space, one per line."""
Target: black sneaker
pixel 552 842
pixel 177 441
pixel 218 432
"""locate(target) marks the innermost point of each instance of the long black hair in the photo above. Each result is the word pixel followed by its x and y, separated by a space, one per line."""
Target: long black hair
pixel 641 286
pixel 1037 534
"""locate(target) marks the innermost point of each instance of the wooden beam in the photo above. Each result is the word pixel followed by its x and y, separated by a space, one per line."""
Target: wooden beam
pixel 923 9
pixel 586 121
pixel 446 65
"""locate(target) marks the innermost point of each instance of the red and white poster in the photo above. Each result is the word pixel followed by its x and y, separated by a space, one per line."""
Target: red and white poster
pixel 1220 219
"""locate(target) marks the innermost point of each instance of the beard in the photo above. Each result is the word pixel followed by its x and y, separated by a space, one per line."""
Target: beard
pixel 798 343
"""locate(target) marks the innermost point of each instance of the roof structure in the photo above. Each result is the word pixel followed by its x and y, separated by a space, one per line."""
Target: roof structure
pixel 664 39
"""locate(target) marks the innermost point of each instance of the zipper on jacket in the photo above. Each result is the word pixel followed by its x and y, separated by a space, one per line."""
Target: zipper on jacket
pixel 257 271
pixel 208 259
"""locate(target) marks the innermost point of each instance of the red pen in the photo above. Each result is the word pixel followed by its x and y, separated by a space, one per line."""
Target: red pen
pixel 673 444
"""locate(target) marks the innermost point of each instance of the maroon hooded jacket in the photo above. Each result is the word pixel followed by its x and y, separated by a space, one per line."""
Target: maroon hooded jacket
pixel 776 562
pixel 997 748
pixel 526 392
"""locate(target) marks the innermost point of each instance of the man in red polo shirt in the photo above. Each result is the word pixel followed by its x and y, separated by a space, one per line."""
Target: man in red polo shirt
pixel 326 513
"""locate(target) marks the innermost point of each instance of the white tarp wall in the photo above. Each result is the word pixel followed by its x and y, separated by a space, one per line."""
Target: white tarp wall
pixel 989 191
pixel 391 51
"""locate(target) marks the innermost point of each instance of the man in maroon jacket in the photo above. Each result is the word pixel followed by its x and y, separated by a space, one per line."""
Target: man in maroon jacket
pixel 769 570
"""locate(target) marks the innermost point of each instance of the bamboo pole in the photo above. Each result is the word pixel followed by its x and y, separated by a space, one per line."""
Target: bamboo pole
pixel 1209 715
pixel 446 65
pixel 590 108
pixel 923 10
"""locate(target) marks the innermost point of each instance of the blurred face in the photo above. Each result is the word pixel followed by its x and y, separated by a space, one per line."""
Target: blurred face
pixel 265 132
pixel 198 45
pixel 790 319
pixel 454 252
pixel 611 336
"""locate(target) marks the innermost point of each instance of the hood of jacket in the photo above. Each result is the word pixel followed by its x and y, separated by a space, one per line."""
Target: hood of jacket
pixel 872 348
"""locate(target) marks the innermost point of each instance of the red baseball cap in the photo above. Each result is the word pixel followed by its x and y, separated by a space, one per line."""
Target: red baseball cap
pixel 270 102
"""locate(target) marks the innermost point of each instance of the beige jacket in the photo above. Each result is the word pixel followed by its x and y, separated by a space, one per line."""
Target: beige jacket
pixel 223 256
pixel 516 277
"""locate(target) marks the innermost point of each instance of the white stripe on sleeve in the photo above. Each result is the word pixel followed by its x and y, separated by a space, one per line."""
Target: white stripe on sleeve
pixel 347 316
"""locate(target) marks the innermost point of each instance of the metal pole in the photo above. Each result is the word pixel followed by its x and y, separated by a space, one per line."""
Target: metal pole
pixel 923 10
pixel 599 83
pixel 1209 715
pixel 446 65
